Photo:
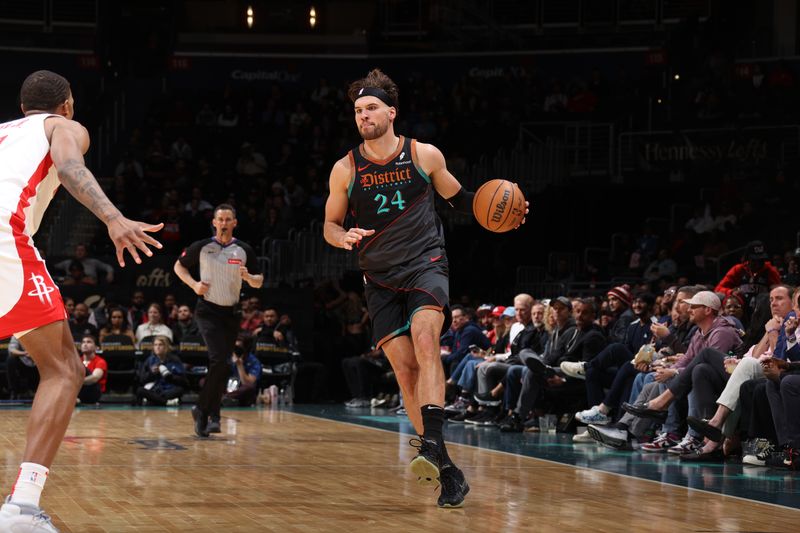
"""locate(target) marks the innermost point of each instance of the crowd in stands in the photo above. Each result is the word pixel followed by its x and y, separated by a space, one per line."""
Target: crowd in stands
pixel 154 353
pixel 699 372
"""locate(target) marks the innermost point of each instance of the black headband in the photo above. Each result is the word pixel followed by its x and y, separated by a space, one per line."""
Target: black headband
pixel 378 93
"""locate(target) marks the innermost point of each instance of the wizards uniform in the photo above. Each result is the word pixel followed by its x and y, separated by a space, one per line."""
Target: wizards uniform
pixel 404 262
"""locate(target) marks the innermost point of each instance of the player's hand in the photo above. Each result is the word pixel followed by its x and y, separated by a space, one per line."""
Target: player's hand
pixel 201 287
pixel 354 236
pixel 527 205
pixel 129 235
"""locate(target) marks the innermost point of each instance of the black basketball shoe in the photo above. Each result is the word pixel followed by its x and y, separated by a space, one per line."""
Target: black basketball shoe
pixel 428 462
pixel 454 487
pixel 200 422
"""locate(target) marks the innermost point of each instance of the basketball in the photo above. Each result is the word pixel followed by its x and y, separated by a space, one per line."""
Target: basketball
pixel 499 206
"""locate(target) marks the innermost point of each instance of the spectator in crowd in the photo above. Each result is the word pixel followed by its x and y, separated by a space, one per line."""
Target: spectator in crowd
pixel 92 268
pixel 250 163
pixel 580 343
pixel 733 309
pixel 79 324
pixel 612 368
pixel 491 372
pixel 619 303
pixel 242 389
pixel 185 326
pixel 21 371
pixel 137 314
pixel 783 391
pixel 162 375
pixel 94 384
pixel 117 325
pixel 363 374
pixel 155 324
pixel 775 345
pixel 271 331
pixel 703 357
pixel 754 275
pixel 170 309
pixel 76 276
pixel 466 334
pixel 251 314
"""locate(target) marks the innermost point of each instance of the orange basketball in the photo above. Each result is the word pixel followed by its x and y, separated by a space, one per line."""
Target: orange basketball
pixel 499 206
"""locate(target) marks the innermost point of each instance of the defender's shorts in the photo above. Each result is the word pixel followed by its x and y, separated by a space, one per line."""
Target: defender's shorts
pixel 394 296
pixel 28 296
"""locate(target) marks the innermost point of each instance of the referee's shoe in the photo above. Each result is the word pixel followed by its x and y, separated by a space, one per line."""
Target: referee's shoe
pixel 200 422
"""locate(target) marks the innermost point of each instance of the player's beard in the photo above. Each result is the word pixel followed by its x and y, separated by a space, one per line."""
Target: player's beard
pixel 374 133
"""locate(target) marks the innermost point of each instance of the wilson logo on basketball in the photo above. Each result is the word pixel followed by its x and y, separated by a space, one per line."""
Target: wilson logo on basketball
pixel 500 208
pixel 381 178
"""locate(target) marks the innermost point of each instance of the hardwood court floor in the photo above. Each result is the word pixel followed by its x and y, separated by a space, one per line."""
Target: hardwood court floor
pixel 139 470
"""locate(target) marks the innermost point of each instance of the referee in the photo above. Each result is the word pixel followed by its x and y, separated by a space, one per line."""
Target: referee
pixel 224 262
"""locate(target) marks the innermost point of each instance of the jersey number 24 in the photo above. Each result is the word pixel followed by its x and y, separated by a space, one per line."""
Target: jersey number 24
pixel 397 200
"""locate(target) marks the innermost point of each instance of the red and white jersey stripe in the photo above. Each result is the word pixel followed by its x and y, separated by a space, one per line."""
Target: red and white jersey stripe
pixel 28 182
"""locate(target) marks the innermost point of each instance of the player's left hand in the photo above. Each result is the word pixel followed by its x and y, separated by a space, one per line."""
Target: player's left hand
pixel 131 235
pixel 527 205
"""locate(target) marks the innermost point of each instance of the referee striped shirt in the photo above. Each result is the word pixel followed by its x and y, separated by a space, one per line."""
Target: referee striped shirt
pixel 219 267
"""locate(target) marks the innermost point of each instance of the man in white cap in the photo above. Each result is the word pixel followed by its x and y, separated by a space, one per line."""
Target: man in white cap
pixel 705 355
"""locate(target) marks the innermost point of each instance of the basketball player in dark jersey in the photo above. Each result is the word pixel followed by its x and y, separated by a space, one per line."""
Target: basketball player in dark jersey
pixel 387 185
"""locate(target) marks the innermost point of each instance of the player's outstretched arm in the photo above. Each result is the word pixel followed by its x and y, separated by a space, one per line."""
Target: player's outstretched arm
pixel 336 209
pixel 68 142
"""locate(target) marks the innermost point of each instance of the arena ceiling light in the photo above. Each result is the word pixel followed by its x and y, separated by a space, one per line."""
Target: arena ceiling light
pixel 250 17
pixel 312 17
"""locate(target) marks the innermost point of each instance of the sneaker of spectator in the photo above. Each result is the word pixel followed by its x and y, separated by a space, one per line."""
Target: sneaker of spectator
pixel 532 424
pixel 583 438
pixel 486 399
pixel 458 406
pixel 615 436
pixel 687 445
pixel 762 450
pixel 463 417
pixel 574 369
pixel 662 443
pixel 784 457
pixel 593 415
pixel 357 403
pixel 512 424
pixel 485 416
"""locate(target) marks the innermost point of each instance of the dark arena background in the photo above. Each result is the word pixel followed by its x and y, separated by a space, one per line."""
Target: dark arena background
pixel 657 142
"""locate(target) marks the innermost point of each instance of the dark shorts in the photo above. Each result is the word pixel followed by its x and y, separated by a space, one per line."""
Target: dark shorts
pixel 394 296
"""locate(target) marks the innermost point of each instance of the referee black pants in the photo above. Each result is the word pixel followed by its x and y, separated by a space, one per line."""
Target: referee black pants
pixel 219 327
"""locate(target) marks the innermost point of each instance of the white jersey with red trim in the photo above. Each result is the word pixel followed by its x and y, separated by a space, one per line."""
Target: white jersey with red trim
pixel 28 182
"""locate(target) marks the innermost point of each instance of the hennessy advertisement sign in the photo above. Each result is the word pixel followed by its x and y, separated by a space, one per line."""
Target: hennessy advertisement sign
pixel 746 151
pixel 703 149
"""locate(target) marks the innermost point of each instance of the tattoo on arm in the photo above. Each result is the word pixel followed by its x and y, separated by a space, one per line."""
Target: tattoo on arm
pixel 81 184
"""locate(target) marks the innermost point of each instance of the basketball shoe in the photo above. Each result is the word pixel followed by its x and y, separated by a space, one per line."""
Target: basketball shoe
pixel 22 518
pixel 428 462
pixel 454 487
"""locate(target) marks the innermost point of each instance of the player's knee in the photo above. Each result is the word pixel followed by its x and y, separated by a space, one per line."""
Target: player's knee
pixel 426 345
pixel 406 374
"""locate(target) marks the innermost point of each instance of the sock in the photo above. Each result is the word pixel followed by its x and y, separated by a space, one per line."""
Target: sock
pixel 29 485
pixel 432 420
pixel 446 461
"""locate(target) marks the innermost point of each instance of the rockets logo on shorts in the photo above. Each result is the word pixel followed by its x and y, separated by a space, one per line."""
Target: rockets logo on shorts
pixel 41 289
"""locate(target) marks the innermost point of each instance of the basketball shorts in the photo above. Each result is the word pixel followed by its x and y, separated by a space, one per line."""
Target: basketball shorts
pixel 28 296
pixel 393 297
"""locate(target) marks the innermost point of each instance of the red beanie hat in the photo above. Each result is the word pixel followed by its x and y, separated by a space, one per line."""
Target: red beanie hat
pixel 622 293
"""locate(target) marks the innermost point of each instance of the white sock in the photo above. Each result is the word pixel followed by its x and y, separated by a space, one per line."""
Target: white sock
pixel 29 485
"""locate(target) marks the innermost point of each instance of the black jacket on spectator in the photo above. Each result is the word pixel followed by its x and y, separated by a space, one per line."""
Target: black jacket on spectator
pixel 531 338
pixel 555 337
pixel 618 328
pixel 181 330
pixel 577 345
pixel 678 338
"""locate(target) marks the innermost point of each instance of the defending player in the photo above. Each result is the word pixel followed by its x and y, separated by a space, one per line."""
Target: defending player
pixel 37 153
